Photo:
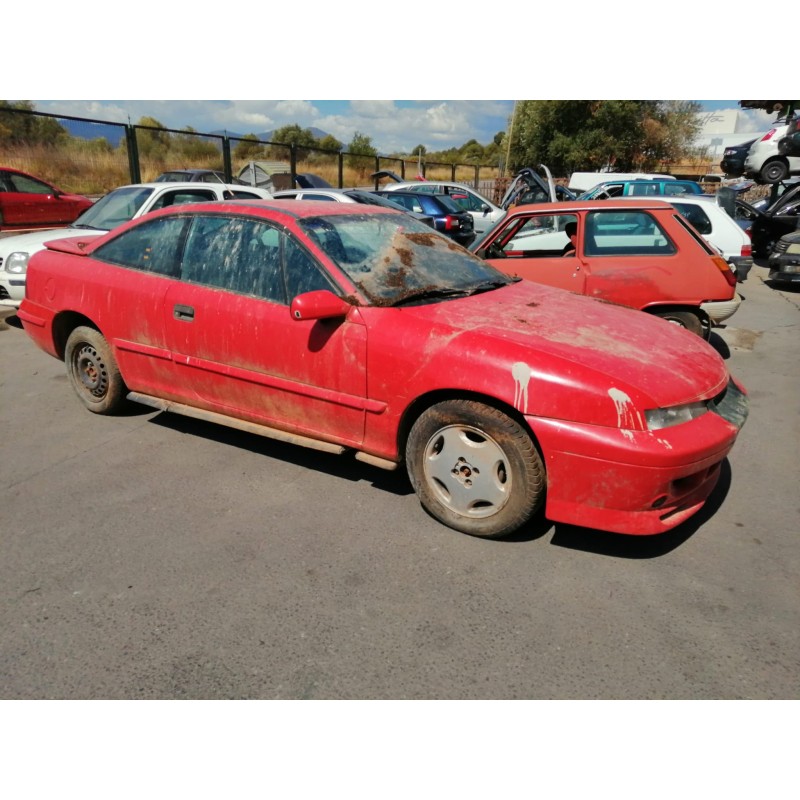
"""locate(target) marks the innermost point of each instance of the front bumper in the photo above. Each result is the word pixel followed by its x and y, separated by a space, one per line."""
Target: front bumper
pixel 12 289
pixel 636 482
pixel 720 310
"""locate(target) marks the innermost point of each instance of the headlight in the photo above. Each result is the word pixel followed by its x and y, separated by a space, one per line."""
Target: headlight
pixel 17 263
pixel 794 249
pixel 658 418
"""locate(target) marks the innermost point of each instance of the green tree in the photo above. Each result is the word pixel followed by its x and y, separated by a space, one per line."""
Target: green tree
pixel 330 142
pixel 360 145
pixel 249 148
pixel 302 138
pixel 152 139
pixel 570 135
pixel 27 128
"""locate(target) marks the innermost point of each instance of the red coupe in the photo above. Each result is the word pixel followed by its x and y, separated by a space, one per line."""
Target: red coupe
pixel 356 328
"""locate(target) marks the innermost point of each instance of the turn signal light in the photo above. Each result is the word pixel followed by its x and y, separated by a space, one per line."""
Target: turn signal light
pixel 727 272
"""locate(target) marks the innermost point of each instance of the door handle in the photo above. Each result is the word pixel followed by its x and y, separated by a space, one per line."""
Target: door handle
pixel 183 312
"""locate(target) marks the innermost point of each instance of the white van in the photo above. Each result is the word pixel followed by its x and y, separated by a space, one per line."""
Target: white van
pixel 583 181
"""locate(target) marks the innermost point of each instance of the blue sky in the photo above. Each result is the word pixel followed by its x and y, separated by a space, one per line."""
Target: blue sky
pixel 393 125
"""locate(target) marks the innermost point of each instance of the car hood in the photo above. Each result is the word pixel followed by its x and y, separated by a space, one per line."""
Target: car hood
pixel 577 343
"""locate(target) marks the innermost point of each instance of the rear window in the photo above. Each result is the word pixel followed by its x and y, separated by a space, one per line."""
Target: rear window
pixel 625 233
pixel 699 239
pixel 439 203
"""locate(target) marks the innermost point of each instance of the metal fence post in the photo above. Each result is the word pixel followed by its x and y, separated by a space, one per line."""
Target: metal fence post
pixel 227 164
pixel 293 162
pixel 133 154
pixel 341 169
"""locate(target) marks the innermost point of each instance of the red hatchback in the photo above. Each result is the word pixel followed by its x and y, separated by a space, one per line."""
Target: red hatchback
pixel 639 253
pixel 28 202
pixel 357 328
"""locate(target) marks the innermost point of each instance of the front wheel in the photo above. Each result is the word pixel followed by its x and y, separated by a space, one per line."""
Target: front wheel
pixel 93 371
pixel 686 319
pixel 474 468
pixel 774 171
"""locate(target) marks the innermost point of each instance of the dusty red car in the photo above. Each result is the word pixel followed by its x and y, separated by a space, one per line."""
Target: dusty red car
pixel 359 329
pixel 28 202
pixel 639 253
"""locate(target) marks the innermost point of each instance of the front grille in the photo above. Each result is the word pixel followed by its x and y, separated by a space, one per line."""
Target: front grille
pixel 781 246
pixel 4 295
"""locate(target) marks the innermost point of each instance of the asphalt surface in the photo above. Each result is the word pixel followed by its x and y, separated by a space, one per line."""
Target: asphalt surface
pixel 153 556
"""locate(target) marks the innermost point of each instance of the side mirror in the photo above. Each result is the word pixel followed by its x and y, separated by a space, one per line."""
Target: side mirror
pixel 485 209
pixel 321 304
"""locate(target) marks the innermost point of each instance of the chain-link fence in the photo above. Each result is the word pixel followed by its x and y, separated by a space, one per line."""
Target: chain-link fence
pixel 91 157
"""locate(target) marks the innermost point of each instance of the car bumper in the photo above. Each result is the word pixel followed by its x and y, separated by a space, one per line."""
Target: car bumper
pixel 636 482
pixel 12 289
pixel 784 272
pixel 732 166
pixel 741 266
pixel 720 310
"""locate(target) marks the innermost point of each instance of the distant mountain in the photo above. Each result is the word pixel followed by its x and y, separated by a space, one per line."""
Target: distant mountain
pixel 266 136
pixel 115 133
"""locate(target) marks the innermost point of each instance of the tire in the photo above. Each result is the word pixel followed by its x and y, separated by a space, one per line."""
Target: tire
pixel 93 372
pixel 774 171
pixel 474 468
pixel 686 319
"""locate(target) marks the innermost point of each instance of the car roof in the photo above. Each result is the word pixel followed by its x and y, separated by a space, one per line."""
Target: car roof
pixel 565 206
pixel 300 209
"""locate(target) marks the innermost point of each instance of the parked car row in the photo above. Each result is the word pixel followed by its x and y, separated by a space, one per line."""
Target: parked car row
pixel 355 328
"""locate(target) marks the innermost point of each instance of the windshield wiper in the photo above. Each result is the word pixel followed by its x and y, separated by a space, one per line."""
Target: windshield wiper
pixel 430 294
pixel 488 286
pixel 86 227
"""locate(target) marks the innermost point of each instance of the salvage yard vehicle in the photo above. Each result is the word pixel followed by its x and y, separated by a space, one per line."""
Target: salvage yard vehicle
pixel 111 210
pixel 358 329
pixel 765 163
pixel 28 202
pixel 483 211
pixel 772 221
pixel 639 253
pixel 448 217
pixel 719 229
pixel 642 188
pixel 784 260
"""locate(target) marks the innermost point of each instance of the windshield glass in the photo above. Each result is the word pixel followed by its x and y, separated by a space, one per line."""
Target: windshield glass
pixel 392 257
pixel 115 208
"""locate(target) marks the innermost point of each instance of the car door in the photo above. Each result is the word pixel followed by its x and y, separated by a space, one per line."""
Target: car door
pixel 238 351
pixel 32 202
pixel 532 245
pixel 127 301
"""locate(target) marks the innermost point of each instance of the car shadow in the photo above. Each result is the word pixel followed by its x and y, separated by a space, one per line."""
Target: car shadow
pixel 9 319
pixel 619 545
pixel 719 344
pixel 341 466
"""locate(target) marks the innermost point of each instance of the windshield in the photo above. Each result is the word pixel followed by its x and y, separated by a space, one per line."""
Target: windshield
pixel 392 258
pixel 115 208
pixel 374 200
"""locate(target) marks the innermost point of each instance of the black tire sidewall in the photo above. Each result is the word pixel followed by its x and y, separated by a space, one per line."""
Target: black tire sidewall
pixel 523 459
pixel 115 395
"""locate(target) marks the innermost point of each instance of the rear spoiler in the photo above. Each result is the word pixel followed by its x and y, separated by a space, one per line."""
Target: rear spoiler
pixel 74 247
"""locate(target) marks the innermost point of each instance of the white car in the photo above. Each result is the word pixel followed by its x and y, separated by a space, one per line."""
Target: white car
pixel 718 228
pixel 484 212
pixel 111 210
pixel 765 163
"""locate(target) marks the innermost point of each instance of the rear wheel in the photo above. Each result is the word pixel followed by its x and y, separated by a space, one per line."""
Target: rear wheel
pixel 474 468
pixel 774 171
pixel 93 371
pixel 686 319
